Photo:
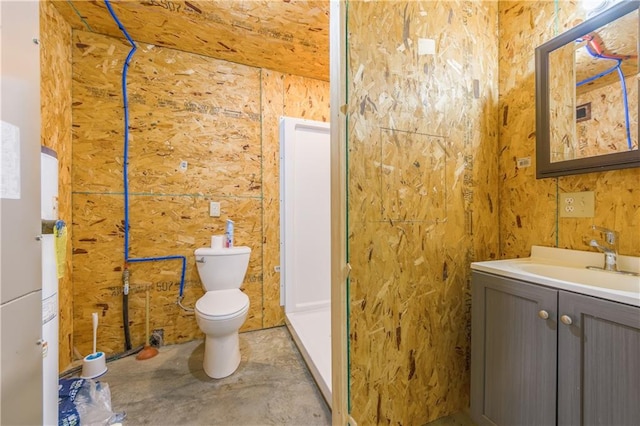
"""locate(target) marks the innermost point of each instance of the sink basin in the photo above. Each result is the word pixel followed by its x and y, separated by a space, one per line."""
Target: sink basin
pixel 567 270
pixel 603 279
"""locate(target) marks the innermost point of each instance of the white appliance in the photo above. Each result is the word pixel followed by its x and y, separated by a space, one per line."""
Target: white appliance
pixel 49 213
pixel 20 224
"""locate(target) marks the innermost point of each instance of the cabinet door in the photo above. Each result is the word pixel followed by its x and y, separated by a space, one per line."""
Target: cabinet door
pixel 513 365
pixel 598 362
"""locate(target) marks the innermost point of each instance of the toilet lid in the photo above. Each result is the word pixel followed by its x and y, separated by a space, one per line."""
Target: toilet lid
pixel 222 303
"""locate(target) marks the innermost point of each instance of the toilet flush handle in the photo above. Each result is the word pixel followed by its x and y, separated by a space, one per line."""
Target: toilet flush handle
pixel 201 260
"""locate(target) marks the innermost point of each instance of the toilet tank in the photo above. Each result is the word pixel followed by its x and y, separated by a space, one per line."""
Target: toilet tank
pixel 222 268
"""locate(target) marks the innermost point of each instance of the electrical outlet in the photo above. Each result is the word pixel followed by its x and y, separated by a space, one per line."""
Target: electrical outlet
pixel 214 209
pixel 577 204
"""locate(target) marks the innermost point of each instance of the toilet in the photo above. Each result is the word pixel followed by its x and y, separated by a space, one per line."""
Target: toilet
pixel 223 309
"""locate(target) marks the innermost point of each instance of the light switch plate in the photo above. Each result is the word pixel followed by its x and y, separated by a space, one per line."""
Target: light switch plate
pixel 214 209
pixel 577 204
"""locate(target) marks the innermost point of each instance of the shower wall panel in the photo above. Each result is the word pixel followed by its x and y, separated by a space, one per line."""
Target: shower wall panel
pixel 422 200
pixel 528 207
pixel 55 97
pixel 198 133
pixel 292 96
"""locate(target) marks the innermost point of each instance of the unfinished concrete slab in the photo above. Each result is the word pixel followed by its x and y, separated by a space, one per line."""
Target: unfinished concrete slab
pixel 272 386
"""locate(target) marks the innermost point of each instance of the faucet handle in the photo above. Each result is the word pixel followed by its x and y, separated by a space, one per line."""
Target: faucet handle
pixel 610 235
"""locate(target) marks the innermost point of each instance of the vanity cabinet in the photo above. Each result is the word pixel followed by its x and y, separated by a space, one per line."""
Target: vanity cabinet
pixel 542 356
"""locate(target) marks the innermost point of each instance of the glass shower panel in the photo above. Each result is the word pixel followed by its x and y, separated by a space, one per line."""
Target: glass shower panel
pixel 412 171
pixel 421 85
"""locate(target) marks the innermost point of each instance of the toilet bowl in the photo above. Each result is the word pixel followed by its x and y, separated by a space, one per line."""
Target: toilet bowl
pixel 220 314
pixel 222 310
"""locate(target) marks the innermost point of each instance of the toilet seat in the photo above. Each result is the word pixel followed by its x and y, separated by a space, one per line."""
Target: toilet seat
pixel 222 304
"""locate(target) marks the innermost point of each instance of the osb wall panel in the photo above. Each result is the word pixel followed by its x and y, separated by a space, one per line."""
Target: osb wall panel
pixel 55 75
pixel 527 205
pixel 222 120
pixel 272 109
pixel 422 200
pixel 528 210
pixel 562 113
pixel 306 98
pixel 617 206
pixel 292 96
pixel 288 36
pixel 605 133
pixel 160 225
pixel 183 108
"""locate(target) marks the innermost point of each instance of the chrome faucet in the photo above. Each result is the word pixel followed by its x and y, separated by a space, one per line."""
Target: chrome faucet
pixel 610 247
pixel 610 250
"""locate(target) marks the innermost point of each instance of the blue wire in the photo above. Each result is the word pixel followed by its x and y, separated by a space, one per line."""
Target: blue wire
pixel 125 100
pixel 623 83
pixel 625 100
pixel 125 166
pixel 597 76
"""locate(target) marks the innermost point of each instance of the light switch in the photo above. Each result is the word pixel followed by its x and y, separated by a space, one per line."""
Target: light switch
pixel 214 209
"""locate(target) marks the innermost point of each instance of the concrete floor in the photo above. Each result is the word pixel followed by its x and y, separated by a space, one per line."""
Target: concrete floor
pixel 457 419
pixel 272 386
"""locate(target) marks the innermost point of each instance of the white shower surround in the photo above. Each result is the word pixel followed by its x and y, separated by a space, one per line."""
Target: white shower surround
pixel 305 242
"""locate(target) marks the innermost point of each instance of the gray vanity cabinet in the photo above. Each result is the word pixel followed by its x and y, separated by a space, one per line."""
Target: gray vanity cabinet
pixel 598 362
pixel 513 350
pixel 538 351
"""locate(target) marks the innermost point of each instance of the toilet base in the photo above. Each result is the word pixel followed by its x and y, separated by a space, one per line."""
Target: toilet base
pixel 221 355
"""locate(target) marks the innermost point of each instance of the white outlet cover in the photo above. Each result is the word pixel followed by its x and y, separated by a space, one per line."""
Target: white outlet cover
pixel 214 209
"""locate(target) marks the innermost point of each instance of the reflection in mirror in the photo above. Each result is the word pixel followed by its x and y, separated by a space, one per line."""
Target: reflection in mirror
pixel 593 92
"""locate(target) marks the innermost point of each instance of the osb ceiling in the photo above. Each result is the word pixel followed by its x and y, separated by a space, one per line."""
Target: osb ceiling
pixel 288 36
pixel 619 37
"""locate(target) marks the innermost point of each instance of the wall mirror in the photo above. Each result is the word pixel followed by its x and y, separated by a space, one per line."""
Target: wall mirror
pixel 587 95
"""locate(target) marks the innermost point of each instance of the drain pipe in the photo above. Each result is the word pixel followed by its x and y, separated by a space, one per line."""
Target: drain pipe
pixel 125 308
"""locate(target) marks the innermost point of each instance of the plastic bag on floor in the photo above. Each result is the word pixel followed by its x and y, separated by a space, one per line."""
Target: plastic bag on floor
pixel 86 402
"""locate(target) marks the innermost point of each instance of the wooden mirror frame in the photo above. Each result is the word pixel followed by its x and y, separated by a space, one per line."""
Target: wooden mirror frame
pixel 544 167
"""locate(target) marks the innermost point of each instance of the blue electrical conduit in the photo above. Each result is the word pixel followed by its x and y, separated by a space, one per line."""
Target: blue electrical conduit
pixel 125 170
pixel 623 83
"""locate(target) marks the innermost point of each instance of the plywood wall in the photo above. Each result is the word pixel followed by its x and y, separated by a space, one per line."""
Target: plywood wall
pixel 423 178
pixel 218 117
pixel 55 64
pixel 606 132
pixel 528 209
pixel 523 221
pixel 289 36
pixel 562 112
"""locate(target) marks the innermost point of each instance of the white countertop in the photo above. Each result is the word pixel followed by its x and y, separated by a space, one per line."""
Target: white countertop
pixel 564 258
